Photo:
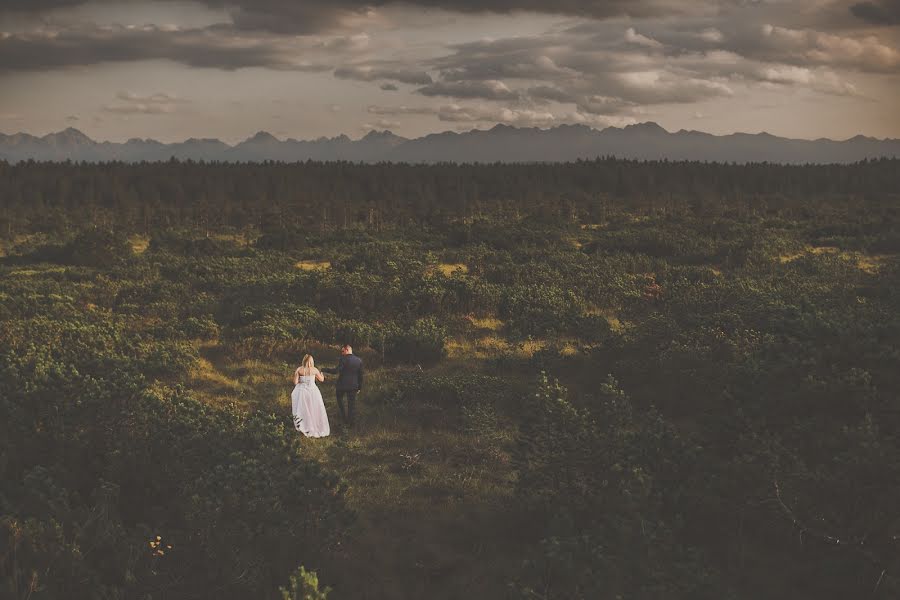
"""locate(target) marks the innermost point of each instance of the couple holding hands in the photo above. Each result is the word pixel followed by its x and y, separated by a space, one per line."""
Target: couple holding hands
pixel 307 405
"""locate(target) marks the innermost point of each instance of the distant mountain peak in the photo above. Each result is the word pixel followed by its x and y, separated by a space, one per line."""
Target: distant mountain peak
pixel 379 135
pixel 69 135
pixel 646 127
pixel 261 137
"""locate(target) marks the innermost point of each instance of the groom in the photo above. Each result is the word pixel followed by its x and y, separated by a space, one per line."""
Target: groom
pixel 349 382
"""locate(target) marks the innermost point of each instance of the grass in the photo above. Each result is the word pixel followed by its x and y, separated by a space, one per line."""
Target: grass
pixel 868 263
pixel 609 314
pixel 139 243
pixel 429 496
pixel 490 346
pixel 38 270
pixel 449 269
pixel 872 263
pixel 313 265
pixel 814 250
pixel 488 323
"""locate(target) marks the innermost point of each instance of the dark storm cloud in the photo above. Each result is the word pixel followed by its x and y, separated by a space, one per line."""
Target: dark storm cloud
pixel 37 5
pixel 193 47
pixel 316 16
pixel 879 12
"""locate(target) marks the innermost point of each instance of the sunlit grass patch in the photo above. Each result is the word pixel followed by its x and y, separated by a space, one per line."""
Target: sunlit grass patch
pixel 489 323
pixel 872 263
pixel 207 374
pixel 569 349
pixel 607 313
pixel 313 265
pixel 139 243
pixel 490 346
pixel 869 263
pixel 37 271
pixel 448 269
pixel 814 250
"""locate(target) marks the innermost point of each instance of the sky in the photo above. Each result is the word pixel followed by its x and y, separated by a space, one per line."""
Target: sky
pixel 177 69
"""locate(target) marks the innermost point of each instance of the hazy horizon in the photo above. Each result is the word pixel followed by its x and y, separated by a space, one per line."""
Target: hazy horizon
pixel 357 136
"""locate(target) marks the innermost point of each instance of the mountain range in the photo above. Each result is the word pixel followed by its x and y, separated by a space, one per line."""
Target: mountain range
pixel 502 143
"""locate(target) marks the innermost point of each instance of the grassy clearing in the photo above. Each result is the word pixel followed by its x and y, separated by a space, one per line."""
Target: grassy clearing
pixel 429 497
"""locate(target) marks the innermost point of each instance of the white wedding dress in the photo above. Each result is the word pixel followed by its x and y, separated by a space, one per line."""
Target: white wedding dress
pixel 308 408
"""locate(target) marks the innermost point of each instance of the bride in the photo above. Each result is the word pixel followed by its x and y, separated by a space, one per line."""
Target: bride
pixel 307 406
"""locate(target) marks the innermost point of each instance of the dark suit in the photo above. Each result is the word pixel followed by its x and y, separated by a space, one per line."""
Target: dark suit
pixel 349 373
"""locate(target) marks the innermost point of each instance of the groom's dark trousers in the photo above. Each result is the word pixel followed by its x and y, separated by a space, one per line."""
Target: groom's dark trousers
pixel 351 400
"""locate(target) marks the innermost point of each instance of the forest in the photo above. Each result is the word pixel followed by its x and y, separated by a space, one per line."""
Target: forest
pixel 606 379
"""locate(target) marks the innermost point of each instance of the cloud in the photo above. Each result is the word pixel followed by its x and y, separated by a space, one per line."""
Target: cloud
pixel 711 35
pixel 597 74
pixel 806 46
pixel 306 17
pixel 633 37
pixel 824 81
pixel 381 124
pixel 72 119
pixel 400 110
pixel 213 47
pixel 455 113
pixel 551 93
pixel 879 12
pixel 657 86
pixel 488 90
pixel 480 113
pixel 130 103
pixel 373 73
pixel 156 98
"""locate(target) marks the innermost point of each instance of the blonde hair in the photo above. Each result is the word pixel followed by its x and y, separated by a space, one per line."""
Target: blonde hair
pixel 308 362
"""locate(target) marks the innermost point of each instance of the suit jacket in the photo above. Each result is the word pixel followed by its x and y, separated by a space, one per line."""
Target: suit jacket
pixel 349 373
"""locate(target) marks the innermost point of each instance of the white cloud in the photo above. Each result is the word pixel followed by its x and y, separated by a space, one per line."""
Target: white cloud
pixel 633 37
pixel 865 53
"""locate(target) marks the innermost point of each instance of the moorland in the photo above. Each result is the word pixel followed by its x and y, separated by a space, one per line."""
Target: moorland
pixel 602 379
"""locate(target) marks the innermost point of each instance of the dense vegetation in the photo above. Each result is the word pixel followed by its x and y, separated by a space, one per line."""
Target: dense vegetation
pixel 599 380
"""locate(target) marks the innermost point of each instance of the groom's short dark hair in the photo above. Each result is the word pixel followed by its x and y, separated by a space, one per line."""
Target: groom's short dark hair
pixel 345 346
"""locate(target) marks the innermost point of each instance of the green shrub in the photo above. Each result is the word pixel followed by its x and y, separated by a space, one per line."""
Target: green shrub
pixel 304 585
pixel 423 343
